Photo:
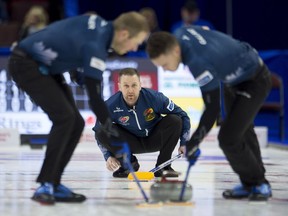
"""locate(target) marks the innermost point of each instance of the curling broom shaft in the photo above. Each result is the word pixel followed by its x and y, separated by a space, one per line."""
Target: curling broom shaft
pixel 184 183
pixel 136 179
pixel 165 163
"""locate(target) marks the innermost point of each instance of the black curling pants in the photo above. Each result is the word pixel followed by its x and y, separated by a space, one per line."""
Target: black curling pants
pixel 237 137
pixel 54 96
pixel 164 137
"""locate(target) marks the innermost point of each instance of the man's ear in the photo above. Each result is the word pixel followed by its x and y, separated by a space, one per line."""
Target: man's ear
pixel 177 50
pixel 123 34
pixel 119 86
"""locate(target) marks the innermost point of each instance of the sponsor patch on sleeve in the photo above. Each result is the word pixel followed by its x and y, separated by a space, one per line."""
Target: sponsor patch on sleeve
pixel 170 106
pixel 97 63
pixel 204 78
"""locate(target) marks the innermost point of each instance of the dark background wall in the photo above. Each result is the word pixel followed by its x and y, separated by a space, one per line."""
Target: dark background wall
pixel 263 23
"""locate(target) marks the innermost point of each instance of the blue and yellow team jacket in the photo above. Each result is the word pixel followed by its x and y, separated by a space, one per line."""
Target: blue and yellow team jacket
pixel 142 118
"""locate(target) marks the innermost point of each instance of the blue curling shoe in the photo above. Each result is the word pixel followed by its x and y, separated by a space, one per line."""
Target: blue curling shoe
pixel 238 192
pixel 64 194
pixel 261 192
pixel 44 194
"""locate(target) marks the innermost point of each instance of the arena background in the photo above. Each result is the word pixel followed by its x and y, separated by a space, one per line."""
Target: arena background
pixel 262 23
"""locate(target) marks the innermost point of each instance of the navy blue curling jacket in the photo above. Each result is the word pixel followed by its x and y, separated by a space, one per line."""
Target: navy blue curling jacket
pixel 142 118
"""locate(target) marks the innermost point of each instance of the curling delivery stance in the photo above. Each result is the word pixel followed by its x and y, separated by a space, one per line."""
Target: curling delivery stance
pixel 137 113
pixel 215 58
pixel 37 65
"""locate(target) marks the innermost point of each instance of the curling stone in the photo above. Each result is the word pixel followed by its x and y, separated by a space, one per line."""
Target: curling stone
pixel 169 190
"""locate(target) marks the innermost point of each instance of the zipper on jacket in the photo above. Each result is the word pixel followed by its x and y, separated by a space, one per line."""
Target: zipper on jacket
pixel 137 121
pixel 136 117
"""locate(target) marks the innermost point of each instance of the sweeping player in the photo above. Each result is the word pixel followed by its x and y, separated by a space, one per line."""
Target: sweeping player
pixel 212 58
pixel 137 114
pixel 37 64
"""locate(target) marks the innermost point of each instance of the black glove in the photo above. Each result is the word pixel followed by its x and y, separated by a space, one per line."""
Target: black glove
pixel 109 136
pixel 107 130
pixel 192 154
pixel 77 77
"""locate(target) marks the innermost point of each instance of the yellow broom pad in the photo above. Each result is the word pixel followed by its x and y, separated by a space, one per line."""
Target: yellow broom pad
pixel 150 205
pixel 146 176
pixel 187 203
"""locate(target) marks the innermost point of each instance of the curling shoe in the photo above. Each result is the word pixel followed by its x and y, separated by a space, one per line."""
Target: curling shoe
pixel 238 192
pixel 44 194
pixel 166 172
pixel 261 192
pixel 123 173
pixel 64 194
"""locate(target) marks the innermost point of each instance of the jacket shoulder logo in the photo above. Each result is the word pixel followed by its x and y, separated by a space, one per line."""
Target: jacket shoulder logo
pixel 204 78
pixel 149 114
pixel 171 105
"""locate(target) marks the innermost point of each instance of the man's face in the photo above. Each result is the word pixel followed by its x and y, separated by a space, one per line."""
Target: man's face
pixel 168 61
pixel 130 87
pixel 125 43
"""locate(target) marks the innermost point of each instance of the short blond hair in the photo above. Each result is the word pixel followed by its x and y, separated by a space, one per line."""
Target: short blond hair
pixel 40 13
pixel 133 22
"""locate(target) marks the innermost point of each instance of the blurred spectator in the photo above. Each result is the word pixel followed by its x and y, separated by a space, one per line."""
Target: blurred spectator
pixel 90 13
pixel 151 17
pixel 35 20
pixel 190 15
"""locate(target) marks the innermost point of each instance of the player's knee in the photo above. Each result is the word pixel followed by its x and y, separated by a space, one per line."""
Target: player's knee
pixel 227 140
pixel 67 117
pixel 71 119
pixel 176 121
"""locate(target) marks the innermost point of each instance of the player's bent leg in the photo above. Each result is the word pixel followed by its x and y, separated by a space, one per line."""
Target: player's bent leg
pixel 170 130
pixel 71 145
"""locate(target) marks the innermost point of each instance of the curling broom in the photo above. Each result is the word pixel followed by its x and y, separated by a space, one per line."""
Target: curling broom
pixel 146 176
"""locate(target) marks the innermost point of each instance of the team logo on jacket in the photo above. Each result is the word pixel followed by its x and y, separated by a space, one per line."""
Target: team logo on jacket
pixel 171 105
pixel 204 78
pixel 123 120
pixel 149 114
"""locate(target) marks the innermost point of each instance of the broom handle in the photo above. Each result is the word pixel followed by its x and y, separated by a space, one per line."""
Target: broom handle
pixel 184 183
pixel 165 163
pixel 130 167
